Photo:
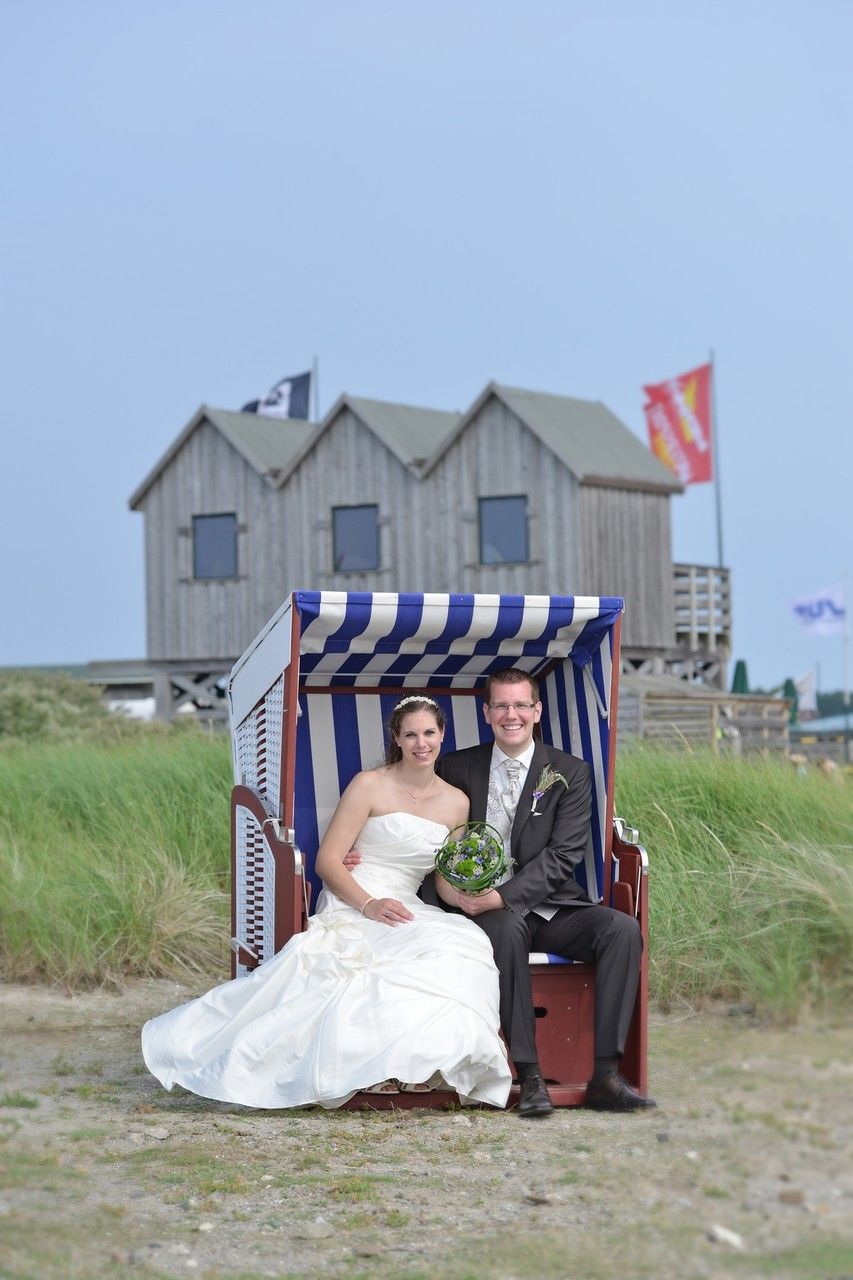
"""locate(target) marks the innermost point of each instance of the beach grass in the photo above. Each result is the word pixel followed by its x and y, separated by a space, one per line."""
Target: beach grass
pixel 751 884
pixel 114 858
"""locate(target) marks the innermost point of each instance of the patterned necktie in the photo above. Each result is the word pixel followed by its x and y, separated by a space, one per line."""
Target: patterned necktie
pixel 501 806
pixel 509 797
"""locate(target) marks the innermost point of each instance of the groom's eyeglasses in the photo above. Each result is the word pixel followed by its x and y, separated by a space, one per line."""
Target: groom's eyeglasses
pixel 501 707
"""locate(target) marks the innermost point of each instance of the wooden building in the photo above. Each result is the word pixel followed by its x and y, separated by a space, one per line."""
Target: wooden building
pixel 525 493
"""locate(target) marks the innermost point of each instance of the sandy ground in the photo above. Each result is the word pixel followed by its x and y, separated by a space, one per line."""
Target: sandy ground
pixel 744 1169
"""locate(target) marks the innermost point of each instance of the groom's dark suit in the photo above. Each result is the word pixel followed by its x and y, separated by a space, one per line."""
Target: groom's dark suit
pixel 547 846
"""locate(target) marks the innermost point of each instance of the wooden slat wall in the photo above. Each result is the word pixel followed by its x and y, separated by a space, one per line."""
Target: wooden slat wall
pixel 582 540
pixel 348 467
pixel 185 618
pixel 626 551
pixel 498 457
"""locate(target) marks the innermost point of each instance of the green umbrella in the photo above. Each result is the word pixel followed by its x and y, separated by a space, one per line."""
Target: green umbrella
pixel 790 691
pixel 740 683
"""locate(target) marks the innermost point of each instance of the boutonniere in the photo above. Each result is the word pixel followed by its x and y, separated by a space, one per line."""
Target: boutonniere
pixel 544 783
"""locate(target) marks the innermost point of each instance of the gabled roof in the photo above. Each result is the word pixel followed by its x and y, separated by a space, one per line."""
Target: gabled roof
pixel 410 433
pixel 272 446
pixel 595 446
pixel 590 440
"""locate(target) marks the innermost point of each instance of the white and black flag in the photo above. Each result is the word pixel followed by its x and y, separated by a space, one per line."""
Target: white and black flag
pixel 289 398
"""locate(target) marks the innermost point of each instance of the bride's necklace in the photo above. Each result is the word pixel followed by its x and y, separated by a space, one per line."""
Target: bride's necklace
pixel 414 799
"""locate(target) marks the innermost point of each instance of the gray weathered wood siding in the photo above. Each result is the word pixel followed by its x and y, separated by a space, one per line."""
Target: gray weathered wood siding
pixel 497 456
pixel 349 466
pixel 285 538
pixel 189 619
pixel 626 550
pixel 582 539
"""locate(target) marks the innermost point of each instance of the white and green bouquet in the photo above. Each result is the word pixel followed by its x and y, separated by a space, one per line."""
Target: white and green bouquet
pixel 472 858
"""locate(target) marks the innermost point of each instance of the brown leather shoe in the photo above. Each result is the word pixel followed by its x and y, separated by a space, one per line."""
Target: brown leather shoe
pixel 612 1093
pixel 534 1100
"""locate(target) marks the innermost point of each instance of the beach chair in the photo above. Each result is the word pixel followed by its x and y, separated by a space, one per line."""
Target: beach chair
pixel 308 703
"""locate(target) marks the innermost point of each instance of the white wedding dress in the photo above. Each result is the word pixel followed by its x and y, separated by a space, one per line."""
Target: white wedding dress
pixel 349 1002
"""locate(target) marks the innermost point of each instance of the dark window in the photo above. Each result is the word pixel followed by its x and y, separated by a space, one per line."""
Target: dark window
pixel 215 546
pixel 356 537
pixel 503 530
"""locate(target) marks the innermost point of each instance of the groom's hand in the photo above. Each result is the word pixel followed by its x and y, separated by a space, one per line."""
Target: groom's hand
pixel 475 905
pixel 352 859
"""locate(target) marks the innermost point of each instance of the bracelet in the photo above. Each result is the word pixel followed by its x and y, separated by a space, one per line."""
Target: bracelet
pixel 366 903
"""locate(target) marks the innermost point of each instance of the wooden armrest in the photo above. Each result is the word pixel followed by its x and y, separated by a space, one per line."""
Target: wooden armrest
pixel 628 889
pixel 291 891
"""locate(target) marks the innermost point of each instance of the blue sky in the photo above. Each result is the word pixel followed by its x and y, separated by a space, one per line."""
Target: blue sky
pixel 571 197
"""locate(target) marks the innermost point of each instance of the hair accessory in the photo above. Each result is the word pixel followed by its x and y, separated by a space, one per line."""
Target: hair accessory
pixel 415 697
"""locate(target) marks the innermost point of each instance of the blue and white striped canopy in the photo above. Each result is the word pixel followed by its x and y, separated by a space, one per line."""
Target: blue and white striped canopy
pixel 439 641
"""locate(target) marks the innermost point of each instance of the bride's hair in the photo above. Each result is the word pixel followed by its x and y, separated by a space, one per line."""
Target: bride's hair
pixel 406 705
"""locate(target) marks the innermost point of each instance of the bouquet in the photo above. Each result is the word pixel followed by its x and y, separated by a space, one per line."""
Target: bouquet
pixel 472 858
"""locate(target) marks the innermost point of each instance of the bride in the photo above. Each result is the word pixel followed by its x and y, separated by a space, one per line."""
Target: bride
pixel 380 988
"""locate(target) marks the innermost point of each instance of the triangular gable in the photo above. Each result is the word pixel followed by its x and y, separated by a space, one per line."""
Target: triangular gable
pixel 408 432
pixel 587 438
pixel 271 446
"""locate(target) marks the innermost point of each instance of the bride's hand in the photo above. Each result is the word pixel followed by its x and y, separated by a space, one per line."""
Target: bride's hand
pixel 388 911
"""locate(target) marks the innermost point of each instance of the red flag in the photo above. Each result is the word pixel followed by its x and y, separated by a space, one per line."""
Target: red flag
pixel 678 416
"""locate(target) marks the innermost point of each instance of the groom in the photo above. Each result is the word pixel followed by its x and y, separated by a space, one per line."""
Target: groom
pixel 540 906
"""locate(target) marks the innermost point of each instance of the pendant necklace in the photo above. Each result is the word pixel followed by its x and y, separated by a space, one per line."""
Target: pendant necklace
pixel 414 799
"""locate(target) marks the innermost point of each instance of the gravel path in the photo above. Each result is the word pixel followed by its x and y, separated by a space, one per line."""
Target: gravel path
pixel 745 1169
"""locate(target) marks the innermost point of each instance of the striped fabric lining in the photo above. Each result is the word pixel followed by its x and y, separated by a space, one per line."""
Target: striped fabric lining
pixel 339 734
pixel 364 641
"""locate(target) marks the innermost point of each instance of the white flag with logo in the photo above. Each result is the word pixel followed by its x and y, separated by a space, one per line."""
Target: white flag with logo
pixel 823 613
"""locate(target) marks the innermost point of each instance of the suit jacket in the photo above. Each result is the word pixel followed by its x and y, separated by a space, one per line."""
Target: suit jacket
pixel 547 845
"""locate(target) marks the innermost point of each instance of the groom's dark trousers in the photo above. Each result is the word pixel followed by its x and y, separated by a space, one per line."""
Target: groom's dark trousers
pixel 549 840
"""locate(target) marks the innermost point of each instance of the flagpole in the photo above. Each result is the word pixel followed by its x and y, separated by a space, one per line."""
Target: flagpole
pixel 315 379
pixel 715 443
pixel 846 670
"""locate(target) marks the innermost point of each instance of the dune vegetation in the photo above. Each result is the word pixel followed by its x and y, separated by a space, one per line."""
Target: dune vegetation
pixel 114 859
pixel 751 883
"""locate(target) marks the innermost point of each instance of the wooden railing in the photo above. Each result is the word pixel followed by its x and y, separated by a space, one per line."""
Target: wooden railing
pixel 702 607
pixel 654 708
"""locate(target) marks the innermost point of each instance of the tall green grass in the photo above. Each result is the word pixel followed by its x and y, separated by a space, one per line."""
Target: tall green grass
pixel 751 884
pixel 114 858
pixel 114 861
pixel 51 705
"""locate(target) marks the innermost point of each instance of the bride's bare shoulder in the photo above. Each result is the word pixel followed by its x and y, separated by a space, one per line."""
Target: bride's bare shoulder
pixel 369 781
pixel 457 800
